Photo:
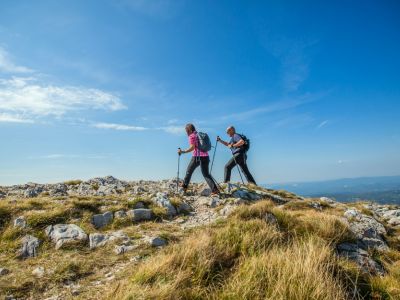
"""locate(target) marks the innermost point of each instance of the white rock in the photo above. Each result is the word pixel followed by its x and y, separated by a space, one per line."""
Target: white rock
pixel 140 214
pixel 20 222
pixel 98 239
pixel 102 220
pixel 29 246
pixel 124 248
pixel 38 272
pixel 155 241
pixel 62 234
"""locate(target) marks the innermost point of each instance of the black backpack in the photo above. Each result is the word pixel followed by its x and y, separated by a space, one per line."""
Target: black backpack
pixel 246 145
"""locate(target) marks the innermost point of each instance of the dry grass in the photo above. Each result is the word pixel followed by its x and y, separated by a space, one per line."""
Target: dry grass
pixel 246 258
pixel 302 270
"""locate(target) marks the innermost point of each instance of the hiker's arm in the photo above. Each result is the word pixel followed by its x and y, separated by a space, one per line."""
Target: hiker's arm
pixel 238 144
pixel 190 149
pixel 222 141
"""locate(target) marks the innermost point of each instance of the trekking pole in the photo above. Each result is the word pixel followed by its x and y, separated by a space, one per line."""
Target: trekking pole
pixel 215 150
pixel 240 173
pixel 177 179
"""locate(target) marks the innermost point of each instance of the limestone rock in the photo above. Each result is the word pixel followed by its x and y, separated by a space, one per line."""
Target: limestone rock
pixel 98 239
pixel 123 249
pixel 140 214
pixel 354 252
pixel 206 192
pixel 367 229
pixel 33 191
pixel 162 200
pixel 29 246
pixel 102 220
pixel 62 234
pixel 155 241
pixel 20 222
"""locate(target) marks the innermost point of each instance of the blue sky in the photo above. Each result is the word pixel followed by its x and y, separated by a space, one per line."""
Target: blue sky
pixel 92 88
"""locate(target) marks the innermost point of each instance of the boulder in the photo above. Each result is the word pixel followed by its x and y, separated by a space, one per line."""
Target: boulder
pixel 155 241
pixel 162 200
pixel 98 239
pixel 102 220
pixel 64 234
pixel 245 194
pixel 32 192
pixel 184 208
pixel 20 222
pixel 85 189
pixel 123 249
pixel 59 189
pixel 366 229
pixel 205 192
pixel 140 214
pixel 354 252
pixel 4 271
pixel 29 246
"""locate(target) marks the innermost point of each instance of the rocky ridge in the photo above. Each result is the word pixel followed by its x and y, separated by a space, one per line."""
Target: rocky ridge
pixel 367 222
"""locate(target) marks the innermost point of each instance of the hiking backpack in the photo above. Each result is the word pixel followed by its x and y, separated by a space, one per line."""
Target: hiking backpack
pixel 204 142
pixel 246 145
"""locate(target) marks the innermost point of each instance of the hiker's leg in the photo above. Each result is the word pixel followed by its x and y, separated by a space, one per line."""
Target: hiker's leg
pixel 228 169
pixel 242 162
pixel 193 164
pixel 204 163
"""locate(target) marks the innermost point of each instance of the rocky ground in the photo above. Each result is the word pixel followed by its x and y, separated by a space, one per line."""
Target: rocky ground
pixel 75 239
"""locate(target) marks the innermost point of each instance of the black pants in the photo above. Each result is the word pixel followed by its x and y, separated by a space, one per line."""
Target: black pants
pixel 240 159
pixel 203 162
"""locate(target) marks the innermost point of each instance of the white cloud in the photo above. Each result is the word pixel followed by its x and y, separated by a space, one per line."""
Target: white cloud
pixel 28 96
pixel 178 130
pixel 272 107
pixel 322 124
pixel 9 118
pixel 8 66
pixel 118 127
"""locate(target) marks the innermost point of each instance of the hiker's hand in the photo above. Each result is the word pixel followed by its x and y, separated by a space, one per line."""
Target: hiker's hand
pixel 180 151
pixel 218 139
pixel 230 145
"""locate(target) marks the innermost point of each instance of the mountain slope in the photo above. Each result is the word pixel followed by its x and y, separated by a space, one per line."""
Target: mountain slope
pixel 106 238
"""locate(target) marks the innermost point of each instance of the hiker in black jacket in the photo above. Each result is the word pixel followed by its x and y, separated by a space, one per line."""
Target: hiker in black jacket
pixel 237 144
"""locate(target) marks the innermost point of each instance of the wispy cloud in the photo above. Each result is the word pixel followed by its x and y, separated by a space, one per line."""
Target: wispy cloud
pixel 28 96
pixel 271 107
pixel 178 130
pixel 322 124
pixel 8 66
pixel 172 129
pixel 293 58
pixel 9 118
pixel 118 127
pixel 68 156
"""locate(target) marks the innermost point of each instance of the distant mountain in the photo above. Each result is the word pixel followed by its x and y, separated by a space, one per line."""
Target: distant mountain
pixel 384 189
